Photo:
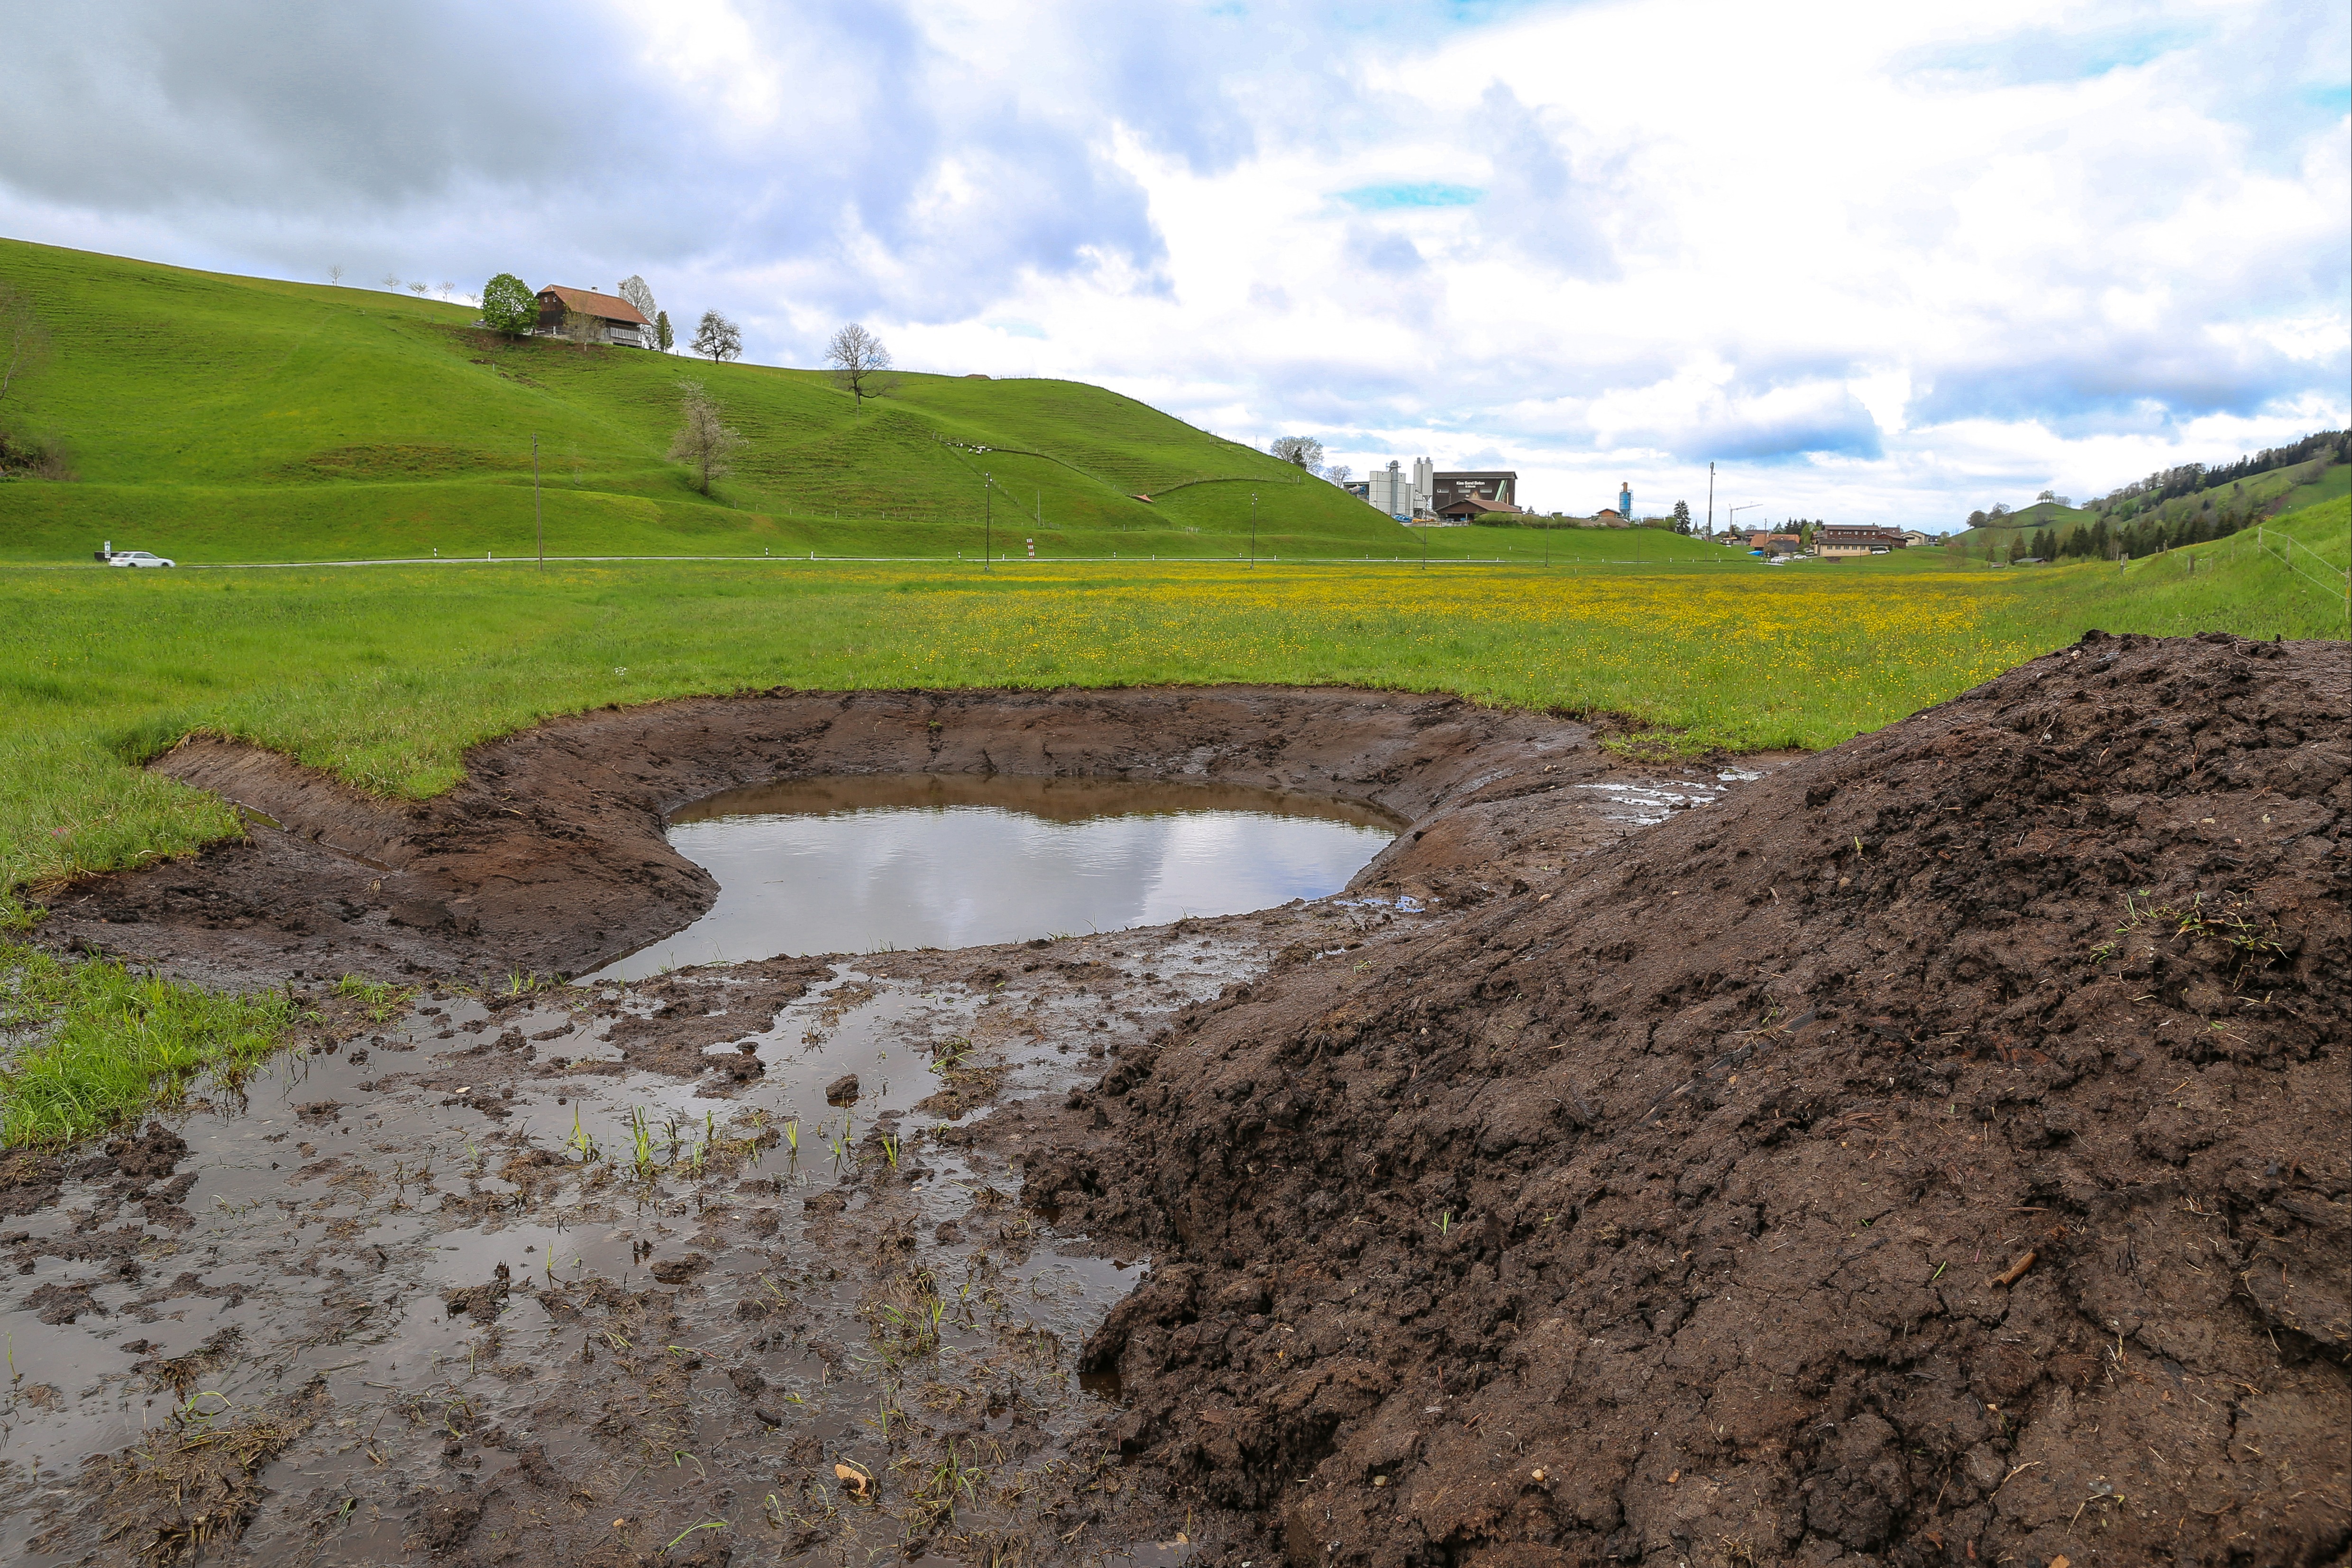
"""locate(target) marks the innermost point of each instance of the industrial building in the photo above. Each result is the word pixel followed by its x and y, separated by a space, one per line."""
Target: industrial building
pixel 1455 490
pixel 1404 495
pixel 1422 494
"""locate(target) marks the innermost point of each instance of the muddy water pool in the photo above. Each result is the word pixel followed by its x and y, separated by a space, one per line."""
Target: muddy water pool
pixel 899 862
pixel 706 1291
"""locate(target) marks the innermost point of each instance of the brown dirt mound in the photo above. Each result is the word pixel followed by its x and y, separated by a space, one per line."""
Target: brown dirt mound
pixel 1932 1155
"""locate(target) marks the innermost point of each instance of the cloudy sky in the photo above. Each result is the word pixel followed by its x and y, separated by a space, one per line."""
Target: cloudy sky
pixel 1878 262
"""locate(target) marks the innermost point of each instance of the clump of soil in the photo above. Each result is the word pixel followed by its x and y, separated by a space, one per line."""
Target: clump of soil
pixel 1933 1154
pixel 191 1483
pixel 148 1155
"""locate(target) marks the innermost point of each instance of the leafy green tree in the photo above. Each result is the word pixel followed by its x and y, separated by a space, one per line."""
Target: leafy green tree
pixel 664 338
pixel 508 306
pixel 1682 517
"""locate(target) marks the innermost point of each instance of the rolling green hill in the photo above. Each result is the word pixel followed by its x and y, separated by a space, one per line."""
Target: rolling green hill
pixel 2276 492
pixel 218 418
pixel 2040 515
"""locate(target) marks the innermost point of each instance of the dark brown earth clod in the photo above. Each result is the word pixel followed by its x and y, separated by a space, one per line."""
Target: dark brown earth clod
pixel 678 1270
pixel 1659 1221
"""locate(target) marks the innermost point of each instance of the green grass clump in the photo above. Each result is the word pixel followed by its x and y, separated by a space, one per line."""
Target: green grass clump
pixel 104 1042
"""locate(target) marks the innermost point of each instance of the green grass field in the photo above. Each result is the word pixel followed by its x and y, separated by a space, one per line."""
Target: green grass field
pixel 385 675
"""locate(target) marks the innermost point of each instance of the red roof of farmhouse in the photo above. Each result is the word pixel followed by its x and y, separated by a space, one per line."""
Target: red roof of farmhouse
pixel 588 302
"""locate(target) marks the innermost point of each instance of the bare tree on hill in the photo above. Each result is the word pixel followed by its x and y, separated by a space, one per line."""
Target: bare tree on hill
pixel 704 442
pixel 860 363
pixel 24 342
pixel 1338 474
pixel 1305 451
pixel 335 273
pixel 717 338
pixel 632 288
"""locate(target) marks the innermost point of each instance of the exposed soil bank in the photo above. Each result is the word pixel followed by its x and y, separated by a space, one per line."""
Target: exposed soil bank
pixel 550 855
pixel 1934 1153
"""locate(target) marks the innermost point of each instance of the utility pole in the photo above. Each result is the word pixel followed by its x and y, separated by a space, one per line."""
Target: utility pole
pixel 1710 501
pixel 1252 530
pixel 538 512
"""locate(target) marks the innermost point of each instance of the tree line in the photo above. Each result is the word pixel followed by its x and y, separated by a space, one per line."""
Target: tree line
pixel 2102 540
pixel 2142 496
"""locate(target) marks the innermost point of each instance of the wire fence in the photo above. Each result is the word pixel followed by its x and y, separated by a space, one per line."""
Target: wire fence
pixel 2285 557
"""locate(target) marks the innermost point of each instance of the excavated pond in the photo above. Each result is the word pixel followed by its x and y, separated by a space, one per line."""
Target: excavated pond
pixel 629 1271
pixel 925 860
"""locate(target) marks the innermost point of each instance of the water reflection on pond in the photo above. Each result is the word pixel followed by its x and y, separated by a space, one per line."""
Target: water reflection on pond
pixel 854 865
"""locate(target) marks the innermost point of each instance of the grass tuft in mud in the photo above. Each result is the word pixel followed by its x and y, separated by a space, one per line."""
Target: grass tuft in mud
pixel 92 1043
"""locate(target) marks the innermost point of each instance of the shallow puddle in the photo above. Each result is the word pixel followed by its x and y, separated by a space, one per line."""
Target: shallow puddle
pixel 904 861
pixel 474 1251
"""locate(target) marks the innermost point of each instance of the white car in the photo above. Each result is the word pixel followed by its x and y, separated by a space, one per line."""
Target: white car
pixel 137 558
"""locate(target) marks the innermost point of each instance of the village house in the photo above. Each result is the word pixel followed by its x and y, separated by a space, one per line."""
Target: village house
pixel 609 319
pixel 1836 539
pixel 1470 509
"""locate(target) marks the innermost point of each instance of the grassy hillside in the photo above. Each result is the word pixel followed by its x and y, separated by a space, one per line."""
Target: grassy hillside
pixel 2280 491
pixel 2040 515
pixel 2284 578
pixel 223 418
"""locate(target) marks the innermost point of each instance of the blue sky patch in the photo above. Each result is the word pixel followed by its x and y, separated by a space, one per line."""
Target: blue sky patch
pixel 1427 193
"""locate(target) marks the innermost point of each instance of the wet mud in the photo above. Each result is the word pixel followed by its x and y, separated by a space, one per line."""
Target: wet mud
pixel 711 1267
pixel 1927 1152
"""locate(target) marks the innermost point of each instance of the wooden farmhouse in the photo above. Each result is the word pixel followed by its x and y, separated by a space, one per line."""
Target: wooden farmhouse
pixel 610 319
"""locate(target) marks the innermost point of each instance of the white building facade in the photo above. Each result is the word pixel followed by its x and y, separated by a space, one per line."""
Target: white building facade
pixel 1401 492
